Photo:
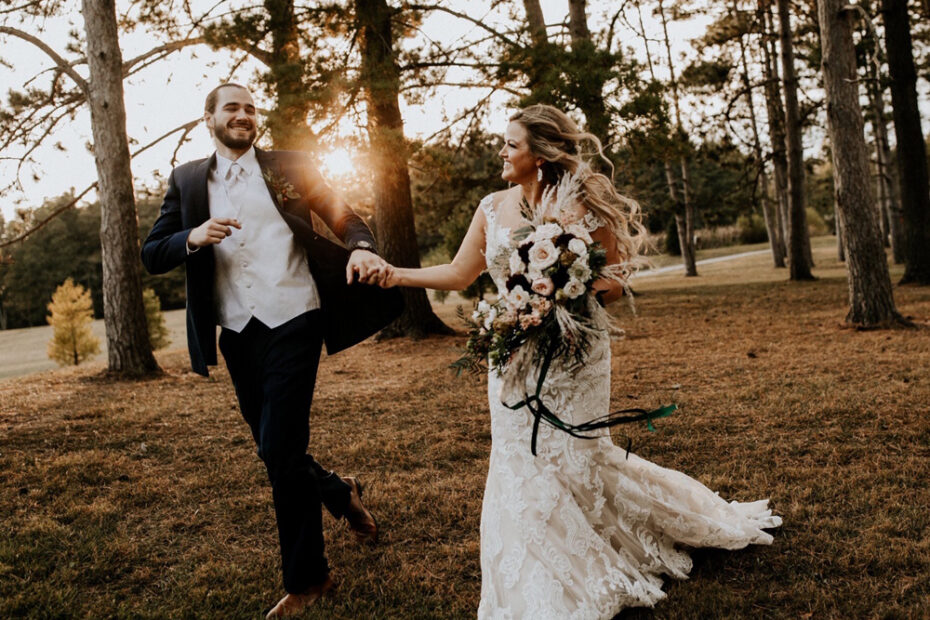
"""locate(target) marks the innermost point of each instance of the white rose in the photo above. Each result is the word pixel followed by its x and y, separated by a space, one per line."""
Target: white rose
pixel 573 288
pixel 533 273
pixel 490 318
pixel 546 231
pixel 579 231
pixel 483 306
pixel 577 246
pixel 543 254
pixel 543 286
pixel 516 264
pixel 580 271
pixel 518 297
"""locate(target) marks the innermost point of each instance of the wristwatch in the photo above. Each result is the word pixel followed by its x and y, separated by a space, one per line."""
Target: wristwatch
pixel 362 245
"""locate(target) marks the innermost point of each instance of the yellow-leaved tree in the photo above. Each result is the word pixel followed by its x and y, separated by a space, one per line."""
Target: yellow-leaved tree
pixel 72 312
pixel 158 332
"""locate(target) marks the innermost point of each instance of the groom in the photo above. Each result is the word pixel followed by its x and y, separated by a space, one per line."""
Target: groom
pixel 240 221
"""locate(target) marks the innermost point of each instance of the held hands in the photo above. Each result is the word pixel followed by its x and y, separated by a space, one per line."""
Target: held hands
pixel 391 277
pixel 367 267
pixel 211 232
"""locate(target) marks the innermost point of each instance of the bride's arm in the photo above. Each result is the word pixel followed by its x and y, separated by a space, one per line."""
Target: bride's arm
pixel 455 276
pixel 612 290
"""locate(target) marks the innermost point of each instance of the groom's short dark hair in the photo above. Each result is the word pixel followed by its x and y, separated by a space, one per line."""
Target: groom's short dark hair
pixel 209 105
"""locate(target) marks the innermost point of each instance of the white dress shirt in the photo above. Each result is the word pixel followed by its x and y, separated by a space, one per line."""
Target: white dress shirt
pixel 261 271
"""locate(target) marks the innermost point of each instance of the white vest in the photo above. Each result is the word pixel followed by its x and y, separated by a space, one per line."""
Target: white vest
pixel 261 270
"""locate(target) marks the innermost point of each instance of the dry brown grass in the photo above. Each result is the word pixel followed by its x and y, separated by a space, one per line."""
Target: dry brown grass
pixel 146 499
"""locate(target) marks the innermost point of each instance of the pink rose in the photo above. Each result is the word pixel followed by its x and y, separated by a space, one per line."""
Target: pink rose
pixel 543 286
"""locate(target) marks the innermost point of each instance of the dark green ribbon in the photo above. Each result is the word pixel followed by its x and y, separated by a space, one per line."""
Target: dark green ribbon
pixel 541 412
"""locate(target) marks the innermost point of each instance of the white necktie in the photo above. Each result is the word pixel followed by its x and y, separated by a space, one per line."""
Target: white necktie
pixel 235 186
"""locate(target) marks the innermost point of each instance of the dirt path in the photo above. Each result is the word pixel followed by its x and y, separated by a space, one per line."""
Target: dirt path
pixel 706 261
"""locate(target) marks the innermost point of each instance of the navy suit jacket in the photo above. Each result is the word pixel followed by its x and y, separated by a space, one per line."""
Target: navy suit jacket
pixel 350 313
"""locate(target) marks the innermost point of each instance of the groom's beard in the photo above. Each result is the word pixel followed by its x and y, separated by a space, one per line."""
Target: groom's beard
pixel 222 134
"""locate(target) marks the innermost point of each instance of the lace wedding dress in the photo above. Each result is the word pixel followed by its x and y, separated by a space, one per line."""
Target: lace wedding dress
pixel 581 531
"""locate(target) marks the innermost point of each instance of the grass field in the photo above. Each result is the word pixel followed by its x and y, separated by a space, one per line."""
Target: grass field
pixel 146 499
pixel 23 351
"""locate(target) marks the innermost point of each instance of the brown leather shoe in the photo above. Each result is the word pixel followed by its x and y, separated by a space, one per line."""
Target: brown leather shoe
pixel 295 604
pixel 361 521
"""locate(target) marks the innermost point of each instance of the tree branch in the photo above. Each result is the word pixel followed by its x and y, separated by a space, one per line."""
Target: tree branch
pixel 58 211
pixel 426 65
pixel 173 46
pixel 477 22
pixel 63 64
pixel 470 111
pixel 186 127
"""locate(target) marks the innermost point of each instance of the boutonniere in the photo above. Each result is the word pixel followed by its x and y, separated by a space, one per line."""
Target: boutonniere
pixel 282 188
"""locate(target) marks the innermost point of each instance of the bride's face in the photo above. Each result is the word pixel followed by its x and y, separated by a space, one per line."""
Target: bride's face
pixel 519 163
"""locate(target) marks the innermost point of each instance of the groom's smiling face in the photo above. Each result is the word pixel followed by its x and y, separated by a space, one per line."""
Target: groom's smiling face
pixel 232 121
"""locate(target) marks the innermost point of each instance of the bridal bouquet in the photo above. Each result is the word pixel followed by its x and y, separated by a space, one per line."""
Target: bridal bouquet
pixel 548 298
pixel 547 309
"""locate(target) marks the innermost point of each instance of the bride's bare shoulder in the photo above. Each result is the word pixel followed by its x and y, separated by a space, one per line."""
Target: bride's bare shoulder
pixel 496 199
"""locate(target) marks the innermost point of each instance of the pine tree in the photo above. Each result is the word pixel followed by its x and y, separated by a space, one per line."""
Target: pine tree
pixel 158 332
pixel 72 312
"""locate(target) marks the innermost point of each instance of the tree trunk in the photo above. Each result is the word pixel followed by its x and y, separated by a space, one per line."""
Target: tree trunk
pixel 799 249
pixel 129 352
pixel 771 223
pixel 393 206
pixel 685 236
pixel 912 154
pixel 775 110
pixel 287 121
pixel 890 204
pixel 536 22
pixel 688 252
pixel 591 100
pixel 684 219
pixel 870 298
pixel 838 220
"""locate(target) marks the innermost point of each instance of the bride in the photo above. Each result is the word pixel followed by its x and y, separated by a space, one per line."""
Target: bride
pixel 581 530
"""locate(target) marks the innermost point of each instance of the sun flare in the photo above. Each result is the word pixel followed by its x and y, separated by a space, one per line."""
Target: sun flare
pixel 338 163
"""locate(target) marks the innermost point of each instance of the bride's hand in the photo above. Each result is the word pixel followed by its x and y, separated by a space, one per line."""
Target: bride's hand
pixel 389 276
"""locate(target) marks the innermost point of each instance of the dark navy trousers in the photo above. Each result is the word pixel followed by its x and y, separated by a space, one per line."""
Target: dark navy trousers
pixel 274 372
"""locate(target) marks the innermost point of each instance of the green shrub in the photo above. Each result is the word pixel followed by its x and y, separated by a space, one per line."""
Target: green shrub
pixel 158 333
pixel 71 313
pixel 816 225
pixel 752 228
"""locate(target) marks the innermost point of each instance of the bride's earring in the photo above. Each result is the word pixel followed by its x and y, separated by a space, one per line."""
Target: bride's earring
pixel 539 174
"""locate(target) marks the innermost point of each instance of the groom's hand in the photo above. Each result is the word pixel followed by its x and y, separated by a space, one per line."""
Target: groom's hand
pixel 367 266
pixel 211 232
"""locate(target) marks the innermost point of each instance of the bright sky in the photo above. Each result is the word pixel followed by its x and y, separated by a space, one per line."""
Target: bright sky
pixel 170 93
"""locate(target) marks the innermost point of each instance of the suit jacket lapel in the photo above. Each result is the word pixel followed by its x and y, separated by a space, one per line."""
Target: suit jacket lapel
pixel 266 161
pixel 199 196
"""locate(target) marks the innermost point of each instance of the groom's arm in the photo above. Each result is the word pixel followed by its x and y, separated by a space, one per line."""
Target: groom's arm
pixel 333 210
pixel 165 247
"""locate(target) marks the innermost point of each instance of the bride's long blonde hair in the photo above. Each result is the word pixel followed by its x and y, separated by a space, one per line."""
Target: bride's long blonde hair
pixel 556 138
